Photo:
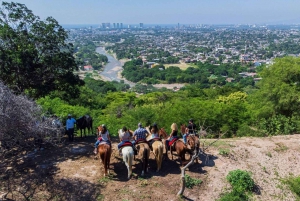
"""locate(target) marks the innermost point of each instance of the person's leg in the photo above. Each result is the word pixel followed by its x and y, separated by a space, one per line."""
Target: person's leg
pixel 69 134
pixel 72 134
pixel 184 138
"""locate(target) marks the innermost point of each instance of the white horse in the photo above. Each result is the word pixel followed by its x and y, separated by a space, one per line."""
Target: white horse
pixel 127 153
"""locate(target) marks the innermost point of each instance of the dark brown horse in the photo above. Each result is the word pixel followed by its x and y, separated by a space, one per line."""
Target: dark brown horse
pixel 104 150
pixel 180 148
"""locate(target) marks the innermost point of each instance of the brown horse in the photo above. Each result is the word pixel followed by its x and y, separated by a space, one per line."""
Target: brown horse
pixel 179 147
pixel 144 153
pixel 192 140
pixel 157 150
pixel 104 150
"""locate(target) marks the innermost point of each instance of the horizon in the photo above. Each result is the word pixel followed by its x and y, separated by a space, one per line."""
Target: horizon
pixel 217 12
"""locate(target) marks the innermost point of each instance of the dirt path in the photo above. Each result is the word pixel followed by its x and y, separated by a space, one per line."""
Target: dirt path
pixel 268 159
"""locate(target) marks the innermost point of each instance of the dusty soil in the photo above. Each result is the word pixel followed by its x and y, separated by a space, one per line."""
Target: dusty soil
pixel 70 172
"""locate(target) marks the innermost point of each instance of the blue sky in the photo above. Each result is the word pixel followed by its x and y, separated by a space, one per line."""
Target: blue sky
pixel 167 11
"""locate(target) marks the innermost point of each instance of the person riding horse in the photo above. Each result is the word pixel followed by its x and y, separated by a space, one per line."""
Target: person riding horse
pixel 103 136
pixel 173 134
pixel 140 134
pixel 154 134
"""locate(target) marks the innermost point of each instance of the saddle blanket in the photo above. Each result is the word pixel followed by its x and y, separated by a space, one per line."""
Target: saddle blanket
pixel 104 142
pixel 126 144
pixel 172 141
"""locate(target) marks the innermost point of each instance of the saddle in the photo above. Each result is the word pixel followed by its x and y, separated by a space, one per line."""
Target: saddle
pixel 105 142
pixel 141 141
pixel 126 144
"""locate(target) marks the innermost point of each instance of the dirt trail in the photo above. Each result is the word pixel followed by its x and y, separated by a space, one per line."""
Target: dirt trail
pixel 268 159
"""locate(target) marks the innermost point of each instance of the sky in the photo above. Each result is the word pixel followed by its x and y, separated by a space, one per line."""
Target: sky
pixel 167 11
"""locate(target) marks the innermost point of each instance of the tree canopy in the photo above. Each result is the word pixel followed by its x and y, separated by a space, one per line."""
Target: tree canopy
pixel 34 56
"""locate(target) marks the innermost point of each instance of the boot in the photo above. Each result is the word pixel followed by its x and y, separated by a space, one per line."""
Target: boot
pixel 95 151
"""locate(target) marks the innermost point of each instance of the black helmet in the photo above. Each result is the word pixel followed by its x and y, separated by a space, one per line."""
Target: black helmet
pixel 154 124
pixel 104 126
pixel 191 120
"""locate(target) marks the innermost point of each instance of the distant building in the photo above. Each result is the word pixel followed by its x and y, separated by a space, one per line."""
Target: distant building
pixel 114 24
pixel 141 25
pixel 121 25
pixel 87 68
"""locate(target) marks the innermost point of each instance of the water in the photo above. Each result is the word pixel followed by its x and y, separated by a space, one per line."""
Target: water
pixel 112 68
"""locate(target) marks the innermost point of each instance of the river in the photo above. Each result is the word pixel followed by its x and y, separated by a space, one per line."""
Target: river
pixel 112 68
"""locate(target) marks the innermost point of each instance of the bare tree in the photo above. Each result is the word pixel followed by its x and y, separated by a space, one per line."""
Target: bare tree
pixel 22 122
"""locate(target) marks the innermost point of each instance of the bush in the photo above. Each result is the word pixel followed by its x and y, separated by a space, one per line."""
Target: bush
pixel 294 184
pixel 191 182
pixel 240 180
pixel 246 130
pixel 234 196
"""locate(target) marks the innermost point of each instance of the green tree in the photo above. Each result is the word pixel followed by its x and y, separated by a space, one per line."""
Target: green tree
pixel 34 57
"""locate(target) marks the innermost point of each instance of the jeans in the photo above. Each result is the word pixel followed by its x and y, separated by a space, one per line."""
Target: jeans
pixel 184 137
pixel 121 143
pixel 71 134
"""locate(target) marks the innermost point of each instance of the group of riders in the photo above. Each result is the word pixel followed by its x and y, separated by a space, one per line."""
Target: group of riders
pixel 141 134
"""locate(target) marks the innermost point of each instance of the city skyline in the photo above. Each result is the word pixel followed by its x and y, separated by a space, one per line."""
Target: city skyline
pixel 167 11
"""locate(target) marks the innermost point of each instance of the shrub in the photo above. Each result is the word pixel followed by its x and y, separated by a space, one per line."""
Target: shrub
pixel 191 182
pixel 240 180
pixel 234 196
pixel 294 184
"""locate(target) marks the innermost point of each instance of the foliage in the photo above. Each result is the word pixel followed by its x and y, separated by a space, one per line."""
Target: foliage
pixel 191 182
pixel 240 180
pixel 234 196
pixel 294 184
pixel 35 59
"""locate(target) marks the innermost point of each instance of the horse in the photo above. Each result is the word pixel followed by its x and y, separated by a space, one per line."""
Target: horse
pixel 192 140
pixel 127 153
pixel 157 150
pixel 84 122
pixel 104 150
pixel 179 147
pixel 144 153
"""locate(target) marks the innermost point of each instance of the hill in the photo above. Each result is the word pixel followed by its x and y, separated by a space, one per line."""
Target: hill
pixel 72 173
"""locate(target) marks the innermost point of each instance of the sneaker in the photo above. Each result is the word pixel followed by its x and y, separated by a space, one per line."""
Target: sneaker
pixel 95 151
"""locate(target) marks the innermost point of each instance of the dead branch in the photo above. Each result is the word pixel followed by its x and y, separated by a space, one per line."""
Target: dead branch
pixel 22 125
pixel 180 192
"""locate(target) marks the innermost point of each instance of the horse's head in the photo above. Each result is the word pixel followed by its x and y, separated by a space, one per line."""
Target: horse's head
pixel 162 133
pixel 101 129
pixel 182 128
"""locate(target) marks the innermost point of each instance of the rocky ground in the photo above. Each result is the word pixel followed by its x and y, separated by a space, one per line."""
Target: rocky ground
pixel 70 172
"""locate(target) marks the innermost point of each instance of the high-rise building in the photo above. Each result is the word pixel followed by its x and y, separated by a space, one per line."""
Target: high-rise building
pixel 121 25
pixel 141 25
pixel 114 24
pixel 103 25
pixel 108 25
pixel 118 25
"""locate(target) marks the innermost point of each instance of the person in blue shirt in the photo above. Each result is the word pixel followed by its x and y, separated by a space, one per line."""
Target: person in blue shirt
pixel 140 134
pixel 70 127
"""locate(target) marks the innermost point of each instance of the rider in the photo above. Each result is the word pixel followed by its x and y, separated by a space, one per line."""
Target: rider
pixel 124 137
pixel 154 131
pixel 173 134
pixel 140 134
pixel 192 127
pixel 186 133
pixel 103 136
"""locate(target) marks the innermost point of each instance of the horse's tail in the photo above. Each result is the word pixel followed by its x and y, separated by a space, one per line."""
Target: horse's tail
pixel 158 152
pixel 128 158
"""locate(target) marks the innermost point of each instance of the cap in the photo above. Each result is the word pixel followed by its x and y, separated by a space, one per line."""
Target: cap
pixel 140 124
pixel 69 115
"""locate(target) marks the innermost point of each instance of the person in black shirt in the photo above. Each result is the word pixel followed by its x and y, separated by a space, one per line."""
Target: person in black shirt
pixel 192 127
